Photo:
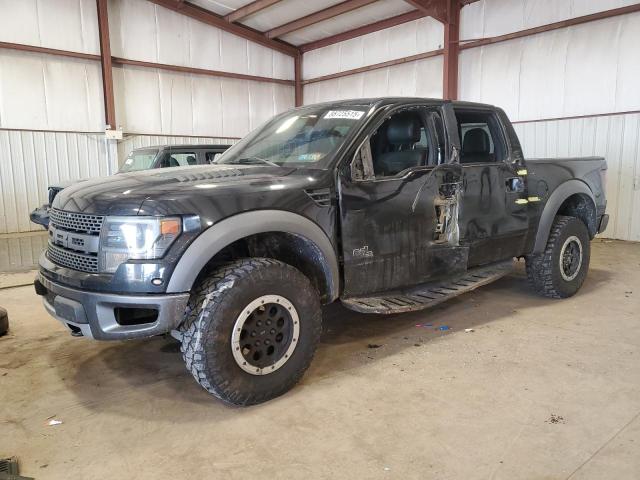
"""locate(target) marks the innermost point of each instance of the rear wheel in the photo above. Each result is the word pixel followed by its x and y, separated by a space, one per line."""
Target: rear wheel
pixel 560 270
pixel 252 330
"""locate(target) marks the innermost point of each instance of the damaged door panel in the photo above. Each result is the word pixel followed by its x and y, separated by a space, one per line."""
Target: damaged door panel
pixel 494 218
pixel 447 206
pixel 399 208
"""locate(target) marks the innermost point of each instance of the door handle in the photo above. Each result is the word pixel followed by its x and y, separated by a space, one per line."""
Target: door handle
pixel 515 185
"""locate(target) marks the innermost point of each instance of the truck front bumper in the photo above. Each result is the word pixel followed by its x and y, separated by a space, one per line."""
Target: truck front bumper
pixel 105 316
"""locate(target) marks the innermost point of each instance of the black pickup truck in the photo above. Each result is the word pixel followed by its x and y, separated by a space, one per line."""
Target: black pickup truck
pixel 389 205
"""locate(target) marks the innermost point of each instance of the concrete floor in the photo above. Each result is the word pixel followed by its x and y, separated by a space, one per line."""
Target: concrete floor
pixel 541 389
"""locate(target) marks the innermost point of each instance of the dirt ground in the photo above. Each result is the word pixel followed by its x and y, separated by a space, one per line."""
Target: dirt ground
pixel 540 389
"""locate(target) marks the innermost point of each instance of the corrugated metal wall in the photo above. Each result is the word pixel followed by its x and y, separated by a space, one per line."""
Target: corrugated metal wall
pixel 488 18
pixel 141 30
pixel 422 78
pixel 418 78
pixel 46 92
pixel 615 137
pixel 404 40
pixel 21 253
pixel 587 69
pixel 62 24
pixel 32 160
pixel 153 101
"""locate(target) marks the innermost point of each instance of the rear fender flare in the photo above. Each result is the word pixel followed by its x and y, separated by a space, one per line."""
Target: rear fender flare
pixel 551 208
pixel 243 225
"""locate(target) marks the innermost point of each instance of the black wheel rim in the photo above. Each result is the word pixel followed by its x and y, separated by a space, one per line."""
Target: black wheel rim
pixel 570 258
pixel 265 334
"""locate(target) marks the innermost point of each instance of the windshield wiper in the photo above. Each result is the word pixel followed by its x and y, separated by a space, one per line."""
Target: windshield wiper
pixel 252 160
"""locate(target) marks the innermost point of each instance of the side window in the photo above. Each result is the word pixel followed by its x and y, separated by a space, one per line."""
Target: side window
pixel 481 137
pixel 212 156
pixel 175 159
pixel 400 143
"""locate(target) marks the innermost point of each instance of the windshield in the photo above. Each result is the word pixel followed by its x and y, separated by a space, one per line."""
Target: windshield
pixel 304 138
pixel 139 160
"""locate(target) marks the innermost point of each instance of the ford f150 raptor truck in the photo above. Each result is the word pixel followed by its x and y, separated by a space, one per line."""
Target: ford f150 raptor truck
pixel 388 205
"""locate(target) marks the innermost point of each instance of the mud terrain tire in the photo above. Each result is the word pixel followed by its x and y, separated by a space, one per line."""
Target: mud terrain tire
pixel 224 303
pixel 560 270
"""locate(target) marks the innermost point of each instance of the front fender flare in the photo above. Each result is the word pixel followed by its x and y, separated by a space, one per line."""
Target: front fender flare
pixel 555 201
pixel 242 225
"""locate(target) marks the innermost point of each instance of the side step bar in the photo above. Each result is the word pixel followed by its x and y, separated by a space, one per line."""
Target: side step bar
pixel 428 294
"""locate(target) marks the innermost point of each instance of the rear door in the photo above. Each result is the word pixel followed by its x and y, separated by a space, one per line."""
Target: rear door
pixel 397 201
pixel 493 214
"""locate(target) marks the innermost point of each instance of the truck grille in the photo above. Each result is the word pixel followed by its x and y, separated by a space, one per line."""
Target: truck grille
pixel 71 259
pixel 76 222
pixel 73 240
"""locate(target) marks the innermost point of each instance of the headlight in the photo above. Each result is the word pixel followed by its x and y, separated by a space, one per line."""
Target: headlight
pixel 125 238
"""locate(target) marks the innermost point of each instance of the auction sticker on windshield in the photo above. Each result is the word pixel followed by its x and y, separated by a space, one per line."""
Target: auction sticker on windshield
pixel 348 114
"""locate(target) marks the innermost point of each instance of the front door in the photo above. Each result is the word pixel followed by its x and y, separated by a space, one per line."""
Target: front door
pixel 398 205
pixel 493 213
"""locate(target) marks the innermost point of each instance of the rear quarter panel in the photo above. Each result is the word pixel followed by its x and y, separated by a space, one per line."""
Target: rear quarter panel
pixel 545 176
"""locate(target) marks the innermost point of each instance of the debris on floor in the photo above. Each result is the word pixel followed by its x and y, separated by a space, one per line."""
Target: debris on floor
pixel 555 419
pixel 444 328
pixel 469 330
pixel 424 325
pixel 373 345
pixel 54 422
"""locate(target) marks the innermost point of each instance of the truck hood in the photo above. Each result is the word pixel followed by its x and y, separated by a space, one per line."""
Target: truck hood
pixel 180 190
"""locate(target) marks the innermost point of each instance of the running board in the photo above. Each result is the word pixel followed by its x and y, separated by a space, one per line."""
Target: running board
pixel 429 294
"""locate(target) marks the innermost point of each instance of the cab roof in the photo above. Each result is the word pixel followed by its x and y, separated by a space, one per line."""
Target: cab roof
pixel 385 101
pixel 199 146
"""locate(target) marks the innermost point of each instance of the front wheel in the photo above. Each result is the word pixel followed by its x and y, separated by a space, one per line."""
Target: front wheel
pixel 251 331
pixel 560 270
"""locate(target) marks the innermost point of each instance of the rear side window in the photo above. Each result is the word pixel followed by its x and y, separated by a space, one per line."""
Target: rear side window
pixel 175 159
pixel 481 137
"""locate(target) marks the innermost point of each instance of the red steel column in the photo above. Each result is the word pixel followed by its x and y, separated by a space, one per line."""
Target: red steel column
pixel 297 65
pixel 107 69
pixel 451 50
